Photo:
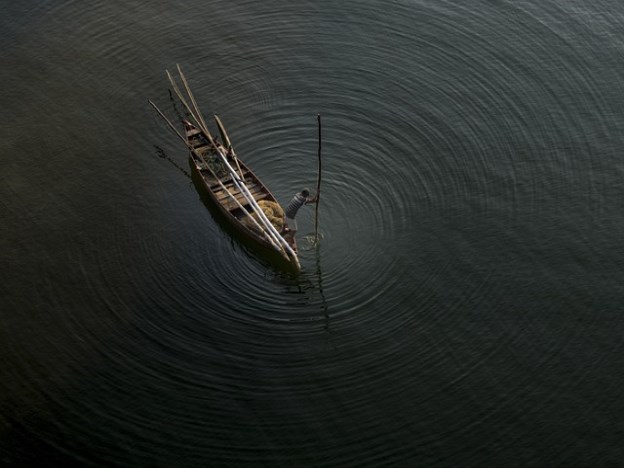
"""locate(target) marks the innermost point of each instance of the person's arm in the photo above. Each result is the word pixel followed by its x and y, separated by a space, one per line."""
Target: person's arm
pixel 313 199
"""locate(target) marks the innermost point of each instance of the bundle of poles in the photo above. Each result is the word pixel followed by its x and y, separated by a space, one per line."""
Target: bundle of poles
pixel 261 222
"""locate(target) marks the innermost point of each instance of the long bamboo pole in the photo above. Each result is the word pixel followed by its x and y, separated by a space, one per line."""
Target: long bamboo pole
pixel 227 141
pixel 191 96
pixel 178 93
pixel 200 117
pixel 318 181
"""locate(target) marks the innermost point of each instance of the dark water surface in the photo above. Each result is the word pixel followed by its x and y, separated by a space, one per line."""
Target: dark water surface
pixel 465 307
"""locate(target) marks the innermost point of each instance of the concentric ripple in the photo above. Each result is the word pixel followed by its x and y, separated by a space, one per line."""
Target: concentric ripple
pixel 462 308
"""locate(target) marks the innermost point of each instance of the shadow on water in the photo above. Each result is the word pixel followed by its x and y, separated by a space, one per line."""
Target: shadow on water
pixel 324 305
pixel 312 242
pixel 162 154
pixel 329 344
pixel 319 275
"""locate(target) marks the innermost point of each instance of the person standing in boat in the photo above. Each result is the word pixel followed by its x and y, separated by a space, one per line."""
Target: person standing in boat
pixel 300 199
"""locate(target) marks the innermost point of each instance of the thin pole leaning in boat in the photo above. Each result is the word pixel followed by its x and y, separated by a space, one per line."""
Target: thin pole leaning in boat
pixel 238 181
pixel 197 111
pixel 197 118
pixel 172 127
pixel 226 140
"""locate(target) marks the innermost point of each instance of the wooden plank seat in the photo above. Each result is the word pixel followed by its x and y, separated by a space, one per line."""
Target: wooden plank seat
pixel 231 206
pixel 223 195
pixel 228 182
pixel 257 192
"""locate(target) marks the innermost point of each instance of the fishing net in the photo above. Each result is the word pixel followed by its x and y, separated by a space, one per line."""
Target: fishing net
pixel 273 211
pixel 216 165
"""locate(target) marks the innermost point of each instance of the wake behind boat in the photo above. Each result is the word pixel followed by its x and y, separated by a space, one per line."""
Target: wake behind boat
pixel 240 196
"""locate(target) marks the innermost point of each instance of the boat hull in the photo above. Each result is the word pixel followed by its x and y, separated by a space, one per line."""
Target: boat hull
pixel 233 226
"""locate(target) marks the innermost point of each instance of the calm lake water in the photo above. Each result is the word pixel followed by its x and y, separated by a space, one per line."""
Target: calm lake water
pixel 464 308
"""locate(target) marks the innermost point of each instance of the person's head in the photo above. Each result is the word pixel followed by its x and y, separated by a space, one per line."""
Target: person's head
pixel 305 192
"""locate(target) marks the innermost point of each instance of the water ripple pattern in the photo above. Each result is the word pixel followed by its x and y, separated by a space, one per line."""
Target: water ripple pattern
pixel 463 307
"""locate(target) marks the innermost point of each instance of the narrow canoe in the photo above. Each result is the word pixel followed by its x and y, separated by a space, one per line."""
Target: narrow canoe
pixel 227 198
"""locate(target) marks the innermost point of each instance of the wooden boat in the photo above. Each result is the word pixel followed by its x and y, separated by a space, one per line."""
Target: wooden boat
pixel 232 187
pixel 228 198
